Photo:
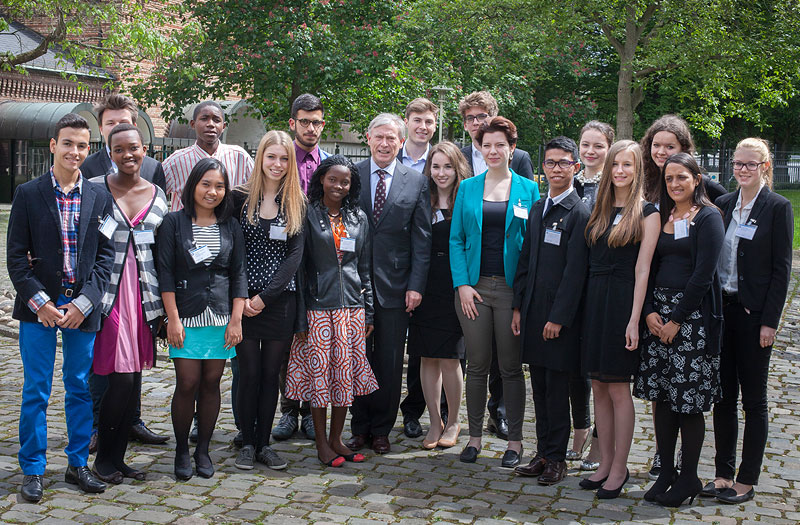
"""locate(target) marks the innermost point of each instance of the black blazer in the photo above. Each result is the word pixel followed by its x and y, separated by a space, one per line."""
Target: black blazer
pixel 99 164
pixel 548 286
pixel 764 263
pixel 401 238
pixel 32 230
pixel 196 285
pixel 521 162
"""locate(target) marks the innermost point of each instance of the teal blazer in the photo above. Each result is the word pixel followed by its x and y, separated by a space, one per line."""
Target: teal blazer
pixel 466 228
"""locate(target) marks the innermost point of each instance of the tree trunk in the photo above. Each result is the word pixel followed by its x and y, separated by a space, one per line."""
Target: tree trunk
pixel 625 100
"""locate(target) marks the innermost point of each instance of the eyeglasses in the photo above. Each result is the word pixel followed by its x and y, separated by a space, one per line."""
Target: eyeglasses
pixel 472 118
pixel 563 163
pixel 749 166
pixel 305 122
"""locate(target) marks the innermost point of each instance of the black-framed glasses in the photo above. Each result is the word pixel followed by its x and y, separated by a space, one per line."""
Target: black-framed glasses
pixel 563 163
pixel 480 118
pixel 749 166
pixel 305 122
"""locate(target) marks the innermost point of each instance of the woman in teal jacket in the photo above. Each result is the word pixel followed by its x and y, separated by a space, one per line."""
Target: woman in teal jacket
pixel 489 221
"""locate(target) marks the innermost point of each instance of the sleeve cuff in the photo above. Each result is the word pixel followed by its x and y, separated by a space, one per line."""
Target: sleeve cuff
pixel 83 304
pixel 38 300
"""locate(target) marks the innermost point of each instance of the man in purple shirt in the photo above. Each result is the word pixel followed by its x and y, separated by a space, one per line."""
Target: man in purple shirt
pixel 307 123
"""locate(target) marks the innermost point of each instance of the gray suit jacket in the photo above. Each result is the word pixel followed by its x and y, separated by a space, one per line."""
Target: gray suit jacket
pixel 401 238
pixel 99 165
pixel 521 162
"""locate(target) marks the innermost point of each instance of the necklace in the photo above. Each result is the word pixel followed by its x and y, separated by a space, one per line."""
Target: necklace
pixel 592 180
pixel 334 215
pixel 685 215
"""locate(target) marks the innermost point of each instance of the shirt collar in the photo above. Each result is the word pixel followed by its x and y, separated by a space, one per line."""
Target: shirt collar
pixel 303 154
pixel 388 169
pixel 476 153
pixel 561 197
pixel 56 185
pixel 750 204
pixel 407 156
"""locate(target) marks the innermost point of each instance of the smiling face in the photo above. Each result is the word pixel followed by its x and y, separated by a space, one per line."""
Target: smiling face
pixel 112 117
pixel 749 179
pixel 623 169
pixel 210 191
pixel 384 142
pixel 275 163
pixel 70 148
pixel 208 125
pixel 335 185
pixel 496 150
pixel 443 172
pixel 127 151
pixel 665 144
pixel 593 149
pixel 421 127
pixel 559 179
pixel 681 183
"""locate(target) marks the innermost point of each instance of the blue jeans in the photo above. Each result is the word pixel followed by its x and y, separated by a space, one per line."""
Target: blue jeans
pixel 37 347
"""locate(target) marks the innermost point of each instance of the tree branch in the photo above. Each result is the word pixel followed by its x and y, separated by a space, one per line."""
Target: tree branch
pixel 58 33
pixel 608 31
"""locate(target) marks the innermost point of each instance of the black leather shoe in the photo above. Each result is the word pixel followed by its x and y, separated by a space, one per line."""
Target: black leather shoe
pixel 469 455
pixel 203 465
pixel 286 427
pixel 711 490
pixel 412 428
pixel 730 496
pixel 307 427
pixel 498 427
pixel 511 458
pixel 83 478
pixel 32 488
pixel 142 434
pixel 588 484
pixel 183 466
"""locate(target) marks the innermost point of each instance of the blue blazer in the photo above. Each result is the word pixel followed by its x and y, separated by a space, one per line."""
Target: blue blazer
pixel 466 228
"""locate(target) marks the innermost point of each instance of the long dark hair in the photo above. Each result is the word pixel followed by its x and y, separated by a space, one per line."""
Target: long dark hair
pixel 699 197
pixel 672 124
pixel 225 208
pixel 315 193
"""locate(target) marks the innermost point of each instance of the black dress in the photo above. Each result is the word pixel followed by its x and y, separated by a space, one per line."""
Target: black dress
pixel 434 330
pixel 609 300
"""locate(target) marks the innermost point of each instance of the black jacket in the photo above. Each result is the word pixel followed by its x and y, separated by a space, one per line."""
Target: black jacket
pixel 196 285
pixel 329 284
pixel 521 162
pixel 764 263
pixel 34 228
pixel 99 164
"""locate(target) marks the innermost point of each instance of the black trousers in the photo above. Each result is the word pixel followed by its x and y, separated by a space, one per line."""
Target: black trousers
pixel 97 388
pixel 376 413
pixel 551 402
pixel 579 389
pixel 743 365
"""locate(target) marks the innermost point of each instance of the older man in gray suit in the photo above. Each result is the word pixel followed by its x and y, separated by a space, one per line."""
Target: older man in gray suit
pixel 397 201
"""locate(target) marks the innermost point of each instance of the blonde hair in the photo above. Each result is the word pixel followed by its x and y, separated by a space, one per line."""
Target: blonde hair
pixel 453 153
pixel 629 228
pixel 293 200
pixel 761 147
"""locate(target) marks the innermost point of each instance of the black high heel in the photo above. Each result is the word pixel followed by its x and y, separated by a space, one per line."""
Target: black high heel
pixel 588 484
pixel 680 490
pixel 662 484
pixel 604 493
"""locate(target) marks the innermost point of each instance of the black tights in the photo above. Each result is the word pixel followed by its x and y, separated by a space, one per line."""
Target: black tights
pixel 117 407
pixel 692 428
pixel 259 366
pixel 201 377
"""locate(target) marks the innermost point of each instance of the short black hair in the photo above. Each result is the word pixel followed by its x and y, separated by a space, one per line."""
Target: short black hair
pixel 204 104
pixel 315 192
pixel 565 144
pixel 225 208
pixel 119 128
pixel 306 102
pixel 70 120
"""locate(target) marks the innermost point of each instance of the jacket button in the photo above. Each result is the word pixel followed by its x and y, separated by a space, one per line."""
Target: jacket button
pixel 741 278
pixel 741 254
pixel 208 288
pixel 58 273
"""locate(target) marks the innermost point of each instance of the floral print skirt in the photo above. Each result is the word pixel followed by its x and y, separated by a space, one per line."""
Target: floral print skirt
pixel 681 373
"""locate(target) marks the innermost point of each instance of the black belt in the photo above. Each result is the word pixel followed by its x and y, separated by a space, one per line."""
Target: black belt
pixel 69 291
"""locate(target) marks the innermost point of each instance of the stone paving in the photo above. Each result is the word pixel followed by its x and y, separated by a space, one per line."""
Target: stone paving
pixel 409 485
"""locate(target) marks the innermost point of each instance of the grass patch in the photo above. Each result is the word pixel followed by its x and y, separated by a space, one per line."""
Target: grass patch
pixel 794 198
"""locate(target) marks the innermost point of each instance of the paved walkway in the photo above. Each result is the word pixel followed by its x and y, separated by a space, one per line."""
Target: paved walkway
pixel 410 485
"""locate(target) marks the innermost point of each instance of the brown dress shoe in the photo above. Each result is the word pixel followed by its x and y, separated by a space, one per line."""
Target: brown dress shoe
pixel 357 442
pixel 532 469
pixel 380 444
pixel 554 472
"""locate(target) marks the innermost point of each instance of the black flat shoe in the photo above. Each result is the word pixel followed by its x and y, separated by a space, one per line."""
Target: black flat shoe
pixel 469 455
pixel 204 467
pixel 83 478
pixel 588 484
pixel 32 488
pixel 731 497
pixel 412 428
pixel 183 466
pixel 711 490
pixel 511 458
pixel 604 493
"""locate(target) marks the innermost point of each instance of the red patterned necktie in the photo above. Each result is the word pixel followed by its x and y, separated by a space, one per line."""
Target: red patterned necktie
pixel 380 194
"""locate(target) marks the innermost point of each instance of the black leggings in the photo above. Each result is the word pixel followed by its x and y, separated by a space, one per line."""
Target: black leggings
pixel 257 396
pixel 117 408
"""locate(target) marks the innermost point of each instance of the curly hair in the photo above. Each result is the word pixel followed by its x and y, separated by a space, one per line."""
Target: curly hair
pixel 315 192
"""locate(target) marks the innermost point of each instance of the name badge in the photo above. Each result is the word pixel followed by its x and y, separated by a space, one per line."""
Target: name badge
pixel 108 226
pixel 617 219
pixel 552 237
pixel 746 231
pixel 144 237
pixel 681 229
pixel 200 254
pixel 347 244
pixel 438 217
pixel 521 211
pixel 277 232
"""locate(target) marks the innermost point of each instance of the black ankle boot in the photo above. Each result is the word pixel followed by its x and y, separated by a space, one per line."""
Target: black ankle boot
pixel 683 488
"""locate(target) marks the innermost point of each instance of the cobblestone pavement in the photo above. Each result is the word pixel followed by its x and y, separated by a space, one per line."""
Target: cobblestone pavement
pixel 409 485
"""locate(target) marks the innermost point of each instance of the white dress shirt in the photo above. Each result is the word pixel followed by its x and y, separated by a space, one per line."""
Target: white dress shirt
pixel 728 272
pixel 478 164
pixel 374 178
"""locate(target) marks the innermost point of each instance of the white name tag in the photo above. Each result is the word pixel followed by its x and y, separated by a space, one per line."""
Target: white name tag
pixel 617 219
pixel 681 229
pixel 552 237
pixel 521 211
pixel 746 231
pixel 108 226
pixel 438 217
pixel 347 244
pixel 277 232
pixel 200 254
pixel 144 237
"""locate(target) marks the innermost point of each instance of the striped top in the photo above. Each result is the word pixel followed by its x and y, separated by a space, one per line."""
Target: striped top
pixel 179 165
pixel 206 236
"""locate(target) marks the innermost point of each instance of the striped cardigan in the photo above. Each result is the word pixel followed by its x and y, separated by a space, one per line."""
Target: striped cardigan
pixel 152 307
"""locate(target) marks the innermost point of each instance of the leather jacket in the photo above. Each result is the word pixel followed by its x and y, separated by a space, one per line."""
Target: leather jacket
pixel 329 284
pixel 196 285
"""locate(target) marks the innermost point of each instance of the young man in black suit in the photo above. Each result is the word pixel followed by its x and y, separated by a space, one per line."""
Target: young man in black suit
pixel 547 294
pixel 59 261
pixel 398 204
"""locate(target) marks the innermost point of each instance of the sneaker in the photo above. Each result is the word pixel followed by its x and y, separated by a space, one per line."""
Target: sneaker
pixel 245 461
pixel 655 470
pixel 270 458
pixel 679 461
pixel 285 427
pixel 307 426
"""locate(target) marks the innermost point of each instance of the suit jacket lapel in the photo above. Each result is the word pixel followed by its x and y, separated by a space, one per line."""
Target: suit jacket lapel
pixel 727 211
pixel 365 199
pixel 758 205
pixel 87 208
pixel 105 160
pixel 399 179
pixel 514 197
pixel 46 190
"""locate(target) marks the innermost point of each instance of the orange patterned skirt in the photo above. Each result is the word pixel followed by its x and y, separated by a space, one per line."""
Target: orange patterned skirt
pixel 331 366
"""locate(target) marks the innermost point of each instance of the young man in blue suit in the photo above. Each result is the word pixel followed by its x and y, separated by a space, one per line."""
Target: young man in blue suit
pixel 59 261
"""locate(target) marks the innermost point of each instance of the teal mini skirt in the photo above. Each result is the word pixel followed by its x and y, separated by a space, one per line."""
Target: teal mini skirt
pixel 206 342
